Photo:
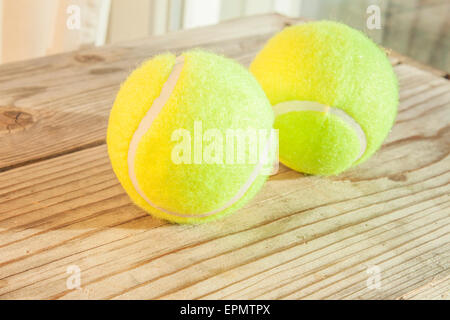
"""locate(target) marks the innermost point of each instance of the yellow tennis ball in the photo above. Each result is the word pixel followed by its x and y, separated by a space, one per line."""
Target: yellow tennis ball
pixel 334 94
pixel 173 132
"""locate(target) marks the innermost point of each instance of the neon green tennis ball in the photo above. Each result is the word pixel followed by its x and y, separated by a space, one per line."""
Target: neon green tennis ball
pixel 334 94
pixel 170 104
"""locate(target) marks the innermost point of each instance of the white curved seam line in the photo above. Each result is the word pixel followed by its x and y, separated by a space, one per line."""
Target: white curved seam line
pixel 145 125
pixel 293 106
pixel 147 121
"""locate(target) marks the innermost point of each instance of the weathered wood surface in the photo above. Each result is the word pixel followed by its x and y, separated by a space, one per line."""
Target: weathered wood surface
pixel 302 237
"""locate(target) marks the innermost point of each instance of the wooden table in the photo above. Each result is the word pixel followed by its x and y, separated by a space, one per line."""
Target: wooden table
pixel 62 209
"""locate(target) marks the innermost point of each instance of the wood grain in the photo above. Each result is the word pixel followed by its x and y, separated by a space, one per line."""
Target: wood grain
pixel 302 237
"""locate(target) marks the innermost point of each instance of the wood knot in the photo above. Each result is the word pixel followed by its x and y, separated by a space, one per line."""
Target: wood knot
pixel 13 120
pixel 88 58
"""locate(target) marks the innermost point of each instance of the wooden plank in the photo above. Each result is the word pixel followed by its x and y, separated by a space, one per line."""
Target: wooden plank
pixel 397 58
pixel 66 98
pixel 437 289
pixel 301 237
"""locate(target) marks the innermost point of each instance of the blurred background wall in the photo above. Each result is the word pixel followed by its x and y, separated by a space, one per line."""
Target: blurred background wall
pixel 33 28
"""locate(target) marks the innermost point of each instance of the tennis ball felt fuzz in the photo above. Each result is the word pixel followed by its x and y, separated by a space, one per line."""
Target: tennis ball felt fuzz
pixel 161 111
pixel 334 94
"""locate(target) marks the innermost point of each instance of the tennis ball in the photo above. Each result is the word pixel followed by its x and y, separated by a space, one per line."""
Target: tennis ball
pixel 334 95
pixel 167 132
